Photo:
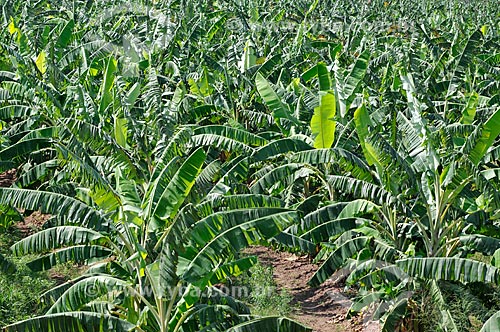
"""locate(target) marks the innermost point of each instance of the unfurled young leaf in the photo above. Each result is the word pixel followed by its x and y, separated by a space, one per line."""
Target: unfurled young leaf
pixel 322 122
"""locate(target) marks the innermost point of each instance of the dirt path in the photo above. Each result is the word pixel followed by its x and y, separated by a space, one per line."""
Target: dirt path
pixel 323 308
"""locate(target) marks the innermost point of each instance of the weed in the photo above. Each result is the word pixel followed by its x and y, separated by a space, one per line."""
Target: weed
pixel 264 297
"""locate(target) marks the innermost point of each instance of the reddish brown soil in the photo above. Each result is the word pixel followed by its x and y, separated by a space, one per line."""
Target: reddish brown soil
pixel 32 222
pixel 324 308
pixel 7 178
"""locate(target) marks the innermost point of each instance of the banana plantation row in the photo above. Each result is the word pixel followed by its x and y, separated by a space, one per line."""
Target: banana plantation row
pixel 163 137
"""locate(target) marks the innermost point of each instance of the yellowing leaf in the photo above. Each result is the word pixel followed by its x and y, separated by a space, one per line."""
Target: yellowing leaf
pixel 93 71
pixel 12 27
pixel 484 30
pixel 260 60
pixel 41 62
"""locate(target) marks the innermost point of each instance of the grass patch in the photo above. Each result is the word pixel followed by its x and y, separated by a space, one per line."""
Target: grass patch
pixel 263 296
pixel 20 292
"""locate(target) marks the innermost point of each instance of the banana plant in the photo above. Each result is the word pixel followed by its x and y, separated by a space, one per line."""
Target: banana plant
pixel 160 256
pixel 165 136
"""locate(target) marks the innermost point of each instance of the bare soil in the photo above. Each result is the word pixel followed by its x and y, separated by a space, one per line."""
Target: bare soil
pixel 7 178
pixel 324 308
pixel 34 221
